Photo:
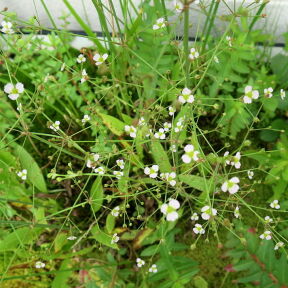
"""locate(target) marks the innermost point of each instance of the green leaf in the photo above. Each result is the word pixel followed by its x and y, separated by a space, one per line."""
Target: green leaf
pixel 200 282
pixel 19 236
pixel 102 237
pixel 196 182
pixel 115 125
pixel 97 194
pixel 279 64
pixel 160 156
pixel 61 277
pixel 59 241
pixel 110 223
pixel 34 173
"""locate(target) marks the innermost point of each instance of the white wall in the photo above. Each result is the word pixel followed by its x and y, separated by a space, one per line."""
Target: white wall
pixel 276 22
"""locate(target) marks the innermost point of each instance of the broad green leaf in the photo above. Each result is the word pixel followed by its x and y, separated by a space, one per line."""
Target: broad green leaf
pixel 19 236
pixel 110 223
pixel 200 282
pixel 59 242
pixel 102 237
pixel 196 182
pixel 115 125
pixel 61 277
pixel 243 265
pixel 34 173
pixel 97 194
pixel 160 156
pixel 7 159
pixel 150 251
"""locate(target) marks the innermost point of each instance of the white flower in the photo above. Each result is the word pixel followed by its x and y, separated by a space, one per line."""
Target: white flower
pixel 86 118
pixel 198 229
pixel 100 170
pixel 216 60
pixel 6 27
pixel 268 92
pixel 282 94
pixel 120 163
pixel 167 126
pixel 231 185
pixel 173 148
pixel 71 238
pixel 141 121
pixel 140 262
pixel 100 59
pixel 236 212
pixel 160 134
pixel 93 157
pixel 131 130
pixel 169 177
pixel 178 6
pixel 115 211
pixel 278 245
pixel 160 23
pixel 229 40
pixel 171 110
pixel 84 76
pixel 266 235
pixel 63 67
pixel 250 94
pixel 250 174
pixel 179 126
pixel 207 212
pixel 55 126
pixel 275 204
pixel 14 91
pixel 153 268
pixel 39 265
pixel 194 217
pixel 118 174
pixel 169 210
pixel 152 171
pixel 115 238
pixel 268 219
pixel 193 54
pixel 190 154
pixel 235 161
pixel 186 96
pixel 81 58
pixel 22 174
